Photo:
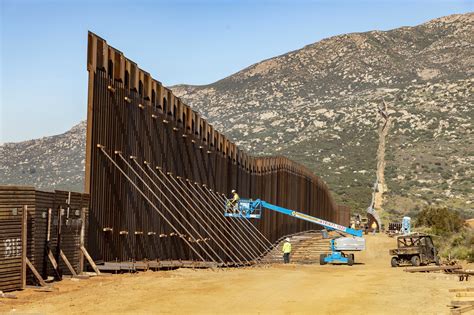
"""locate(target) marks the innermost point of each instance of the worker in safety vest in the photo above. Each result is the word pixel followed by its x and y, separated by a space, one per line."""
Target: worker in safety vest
pixel 286 251
pixel 234 201
pixel 374 227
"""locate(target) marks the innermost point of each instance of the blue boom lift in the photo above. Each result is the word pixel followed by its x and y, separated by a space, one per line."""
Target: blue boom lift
pixel 252 209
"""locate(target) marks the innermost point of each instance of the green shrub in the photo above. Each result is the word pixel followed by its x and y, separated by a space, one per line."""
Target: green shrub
pixel 441 220
pixel 454 239
pixel 458 246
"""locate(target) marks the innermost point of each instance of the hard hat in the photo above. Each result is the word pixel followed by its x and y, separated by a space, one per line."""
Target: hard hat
pixel 233 190
pixel 287 239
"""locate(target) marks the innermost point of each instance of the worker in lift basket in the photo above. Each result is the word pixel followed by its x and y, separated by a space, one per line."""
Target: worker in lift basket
pixel 286 251
pixel 234 202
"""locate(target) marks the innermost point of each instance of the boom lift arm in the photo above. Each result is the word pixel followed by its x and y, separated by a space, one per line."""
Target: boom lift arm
pixel 247 208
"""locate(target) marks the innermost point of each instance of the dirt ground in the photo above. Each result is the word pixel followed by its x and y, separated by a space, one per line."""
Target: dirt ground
pixel 371 287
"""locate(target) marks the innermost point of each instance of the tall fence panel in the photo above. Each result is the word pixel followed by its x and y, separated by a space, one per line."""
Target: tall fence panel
pixel 14 243
pixel 11 246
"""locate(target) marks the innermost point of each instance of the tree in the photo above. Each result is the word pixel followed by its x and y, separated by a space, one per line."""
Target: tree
pixel 440 219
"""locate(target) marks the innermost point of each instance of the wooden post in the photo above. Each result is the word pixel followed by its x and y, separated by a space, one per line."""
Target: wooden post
pixel 53 261
pixel 81 240
pixel 24 246
pixel 35 272
pixel 68 264
pixel 90 260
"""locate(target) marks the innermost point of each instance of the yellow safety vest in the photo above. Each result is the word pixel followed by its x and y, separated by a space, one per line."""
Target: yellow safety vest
pixel 236 197
pixel 287 247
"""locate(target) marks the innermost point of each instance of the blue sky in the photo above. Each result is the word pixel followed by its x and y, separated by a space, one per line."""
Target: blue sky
pixel 43 44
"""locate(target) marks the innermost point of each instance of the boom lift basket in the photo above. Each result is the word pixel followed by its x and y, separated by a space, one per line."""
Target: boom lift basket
pixel 244 208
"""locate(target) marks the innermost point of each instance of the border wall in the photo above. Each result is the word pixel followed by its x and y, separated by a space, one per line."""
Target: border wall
pixel 157 173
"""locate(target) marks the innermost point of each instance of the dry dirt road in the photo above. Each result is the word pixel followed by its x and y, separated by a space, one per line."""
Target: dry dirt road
pixel 372 287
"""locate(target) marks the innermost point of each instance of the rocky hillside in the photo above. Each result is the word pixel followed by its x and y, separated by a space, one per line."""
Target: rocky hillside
pixel 320 106
pixel 47 163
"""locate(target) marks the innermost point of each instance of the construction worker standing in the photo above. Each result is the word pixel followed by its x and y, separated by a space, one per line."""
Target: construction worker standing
pixel 374 227
pixel 286 251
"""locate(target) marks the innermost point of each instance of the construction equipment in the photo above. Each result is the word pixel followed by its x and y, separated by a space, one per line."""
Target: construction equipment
pixel 360 222
pixel 417 249
pixel 252 209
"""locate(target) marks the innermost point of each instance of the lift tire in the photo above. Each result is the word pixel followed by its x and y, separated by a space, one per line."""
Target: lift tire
pixel 415 260
pixel 350 260
pixel 321 259
pixel 353 258
pixel 394 262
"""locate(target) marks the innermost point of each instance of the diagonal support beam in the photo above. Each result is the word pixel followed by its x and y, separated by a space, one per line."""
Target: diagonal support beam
pixel 173 215
pixel 150 202
pixel 203 224
pixel 188 200
pixel 250 243
pixel 189 197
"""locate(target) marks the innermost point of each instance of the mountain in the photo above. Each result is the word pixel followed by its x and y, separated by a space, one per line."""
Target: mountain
pixel 47 163
pixel 323 106
pixel 319 106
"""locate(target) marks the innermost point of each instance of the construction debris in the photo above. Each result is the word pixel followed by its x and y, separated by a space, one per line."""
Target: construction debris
pixel 463 305
pixel 432 268
pixel 7 295
pixel 463 309
pixel 462 290
pixel 134 266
